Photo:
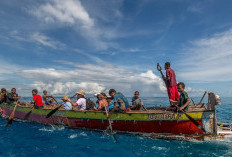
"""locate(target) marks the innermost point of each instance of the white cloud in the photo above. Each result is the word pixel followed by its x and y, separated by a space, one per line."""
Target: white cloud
pixel 67 88
pixel 208 59
pixel 45 40
pixel 68 11
pixel 95 78
pixel 38 38
pixel 72 13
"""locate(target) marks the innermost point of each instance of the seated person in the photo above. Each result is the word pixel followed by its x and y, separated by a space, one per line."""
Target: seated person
pixel 102 102
pixel 13 97
pixel 119 100
pixel 67 104
pixel 97 102
pixel 81 101
pixel 137 102
pixel 3 96
pixel 184 100
pixel 37 100
pixel 46 98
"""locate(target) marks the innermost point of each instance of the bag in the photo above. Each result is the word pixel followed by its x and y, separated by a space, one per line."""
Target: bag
pixel 89 104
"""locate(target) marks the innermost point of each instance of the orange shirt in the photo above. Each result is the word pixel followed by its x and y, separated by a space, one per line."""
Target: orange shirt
pixel 102 102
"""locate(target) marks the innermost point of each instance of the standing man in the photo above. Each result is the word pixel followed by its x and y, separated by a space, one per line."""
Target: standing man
pixel 37 99
pixel 81 101
pixel 170 81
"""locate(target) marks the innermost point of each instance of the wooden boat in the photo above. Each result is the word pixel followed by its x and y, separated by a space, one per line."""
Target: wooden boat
pixel 156 123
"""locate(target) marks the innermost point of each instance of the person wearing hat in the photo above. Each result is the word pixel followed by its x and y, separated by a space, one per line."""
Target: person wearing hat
pixel 81 101
pixel 67 104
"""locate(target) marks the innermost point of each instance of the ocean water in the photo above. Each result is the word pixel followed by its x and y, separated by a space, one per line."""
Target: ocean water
pixel 30 139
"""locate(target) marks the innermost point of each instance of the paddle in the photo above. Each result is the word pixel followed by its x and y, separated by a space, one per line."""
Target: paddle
pixel 29 113
pixel 192 120
pixel 110 125
pixel 10 120
pixel 57 108
pixel 53 111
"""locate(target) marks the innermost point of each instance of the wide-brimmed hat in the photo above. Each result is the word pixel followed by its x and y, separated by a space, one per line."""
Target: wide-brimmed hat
pixel 81 92
pixel 65 98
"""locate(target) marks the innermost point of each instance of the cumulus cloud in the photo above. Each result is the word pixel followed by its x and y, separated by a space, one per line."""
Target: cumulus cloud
pixel 95 78
pixel 67 88
pixel 208 59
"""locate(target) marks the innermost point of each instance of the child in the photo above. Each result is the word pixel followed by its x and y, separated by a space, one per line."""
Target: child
pixel 184 100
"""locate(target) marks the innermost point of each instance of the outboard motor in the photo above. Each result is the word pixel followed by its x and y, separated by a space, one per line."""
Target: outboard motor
pixel 213 100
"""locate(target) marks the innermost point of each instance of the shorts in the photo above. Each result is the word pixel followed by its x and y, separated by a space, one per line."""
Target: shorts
pixel 48 102
pixel 173 93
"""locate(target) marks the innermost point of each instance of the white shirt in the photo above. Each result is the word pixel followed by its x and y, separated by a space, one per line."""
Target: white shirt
pixel 81 102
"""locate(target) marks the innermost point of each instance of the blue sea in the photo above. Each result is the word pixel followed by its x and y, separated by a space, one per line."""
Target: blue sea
pixel 30 139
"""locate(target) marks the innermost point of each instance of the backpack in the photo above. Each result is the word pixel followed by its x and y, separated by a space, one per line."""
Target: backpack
pixel 89 104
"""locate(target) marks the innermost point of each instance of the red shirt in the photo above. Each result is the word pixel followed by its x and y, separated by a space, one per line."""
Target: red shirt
pixel 38 100
pixel 171 77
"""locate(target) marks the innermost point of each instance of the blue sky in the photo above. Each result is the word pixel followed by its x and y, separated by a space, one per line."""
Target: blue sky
pixel 64 46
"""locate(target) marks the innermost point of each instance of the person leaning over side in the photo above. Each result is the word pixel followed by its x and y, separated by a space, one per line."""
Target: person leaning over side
pixel 137 102
pixel 119 100
pixel 184 100
pixel 103 102
pixel 81 101
pixel 37 99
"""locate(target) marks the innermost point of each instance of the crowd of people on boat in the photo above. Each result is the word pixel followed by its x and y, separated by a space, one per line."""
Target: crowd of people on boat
pixel 113 101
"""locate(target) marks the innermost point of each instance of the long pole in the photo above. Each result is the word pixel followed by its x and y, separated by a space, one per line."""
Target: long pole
pixel 110 125
pixel 189 117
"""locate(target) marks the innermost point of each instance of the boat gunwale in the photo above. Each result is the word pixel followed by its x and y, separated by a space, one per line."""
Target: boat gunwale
pixel 128 112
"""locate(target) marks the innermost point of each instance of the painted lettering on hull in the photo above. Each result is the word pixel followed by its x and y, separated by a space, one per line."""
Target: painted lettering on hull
pixel 168 116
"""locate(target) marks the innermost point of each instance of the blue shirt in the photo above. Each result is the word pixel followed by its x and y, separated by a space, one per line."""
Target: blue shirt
pixel 111 105
pixel 68 106
pixel 122 97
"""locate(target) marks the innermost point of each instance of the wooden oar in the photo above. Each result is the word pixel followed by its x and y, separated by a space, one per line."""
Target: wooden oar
pixel 192 120
pixel 65 113
pixel 110 125
pixel 10 120
pixel 29 113
pixel 53 111
pixel 189 117
pixel 56 109
pixel 73 96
